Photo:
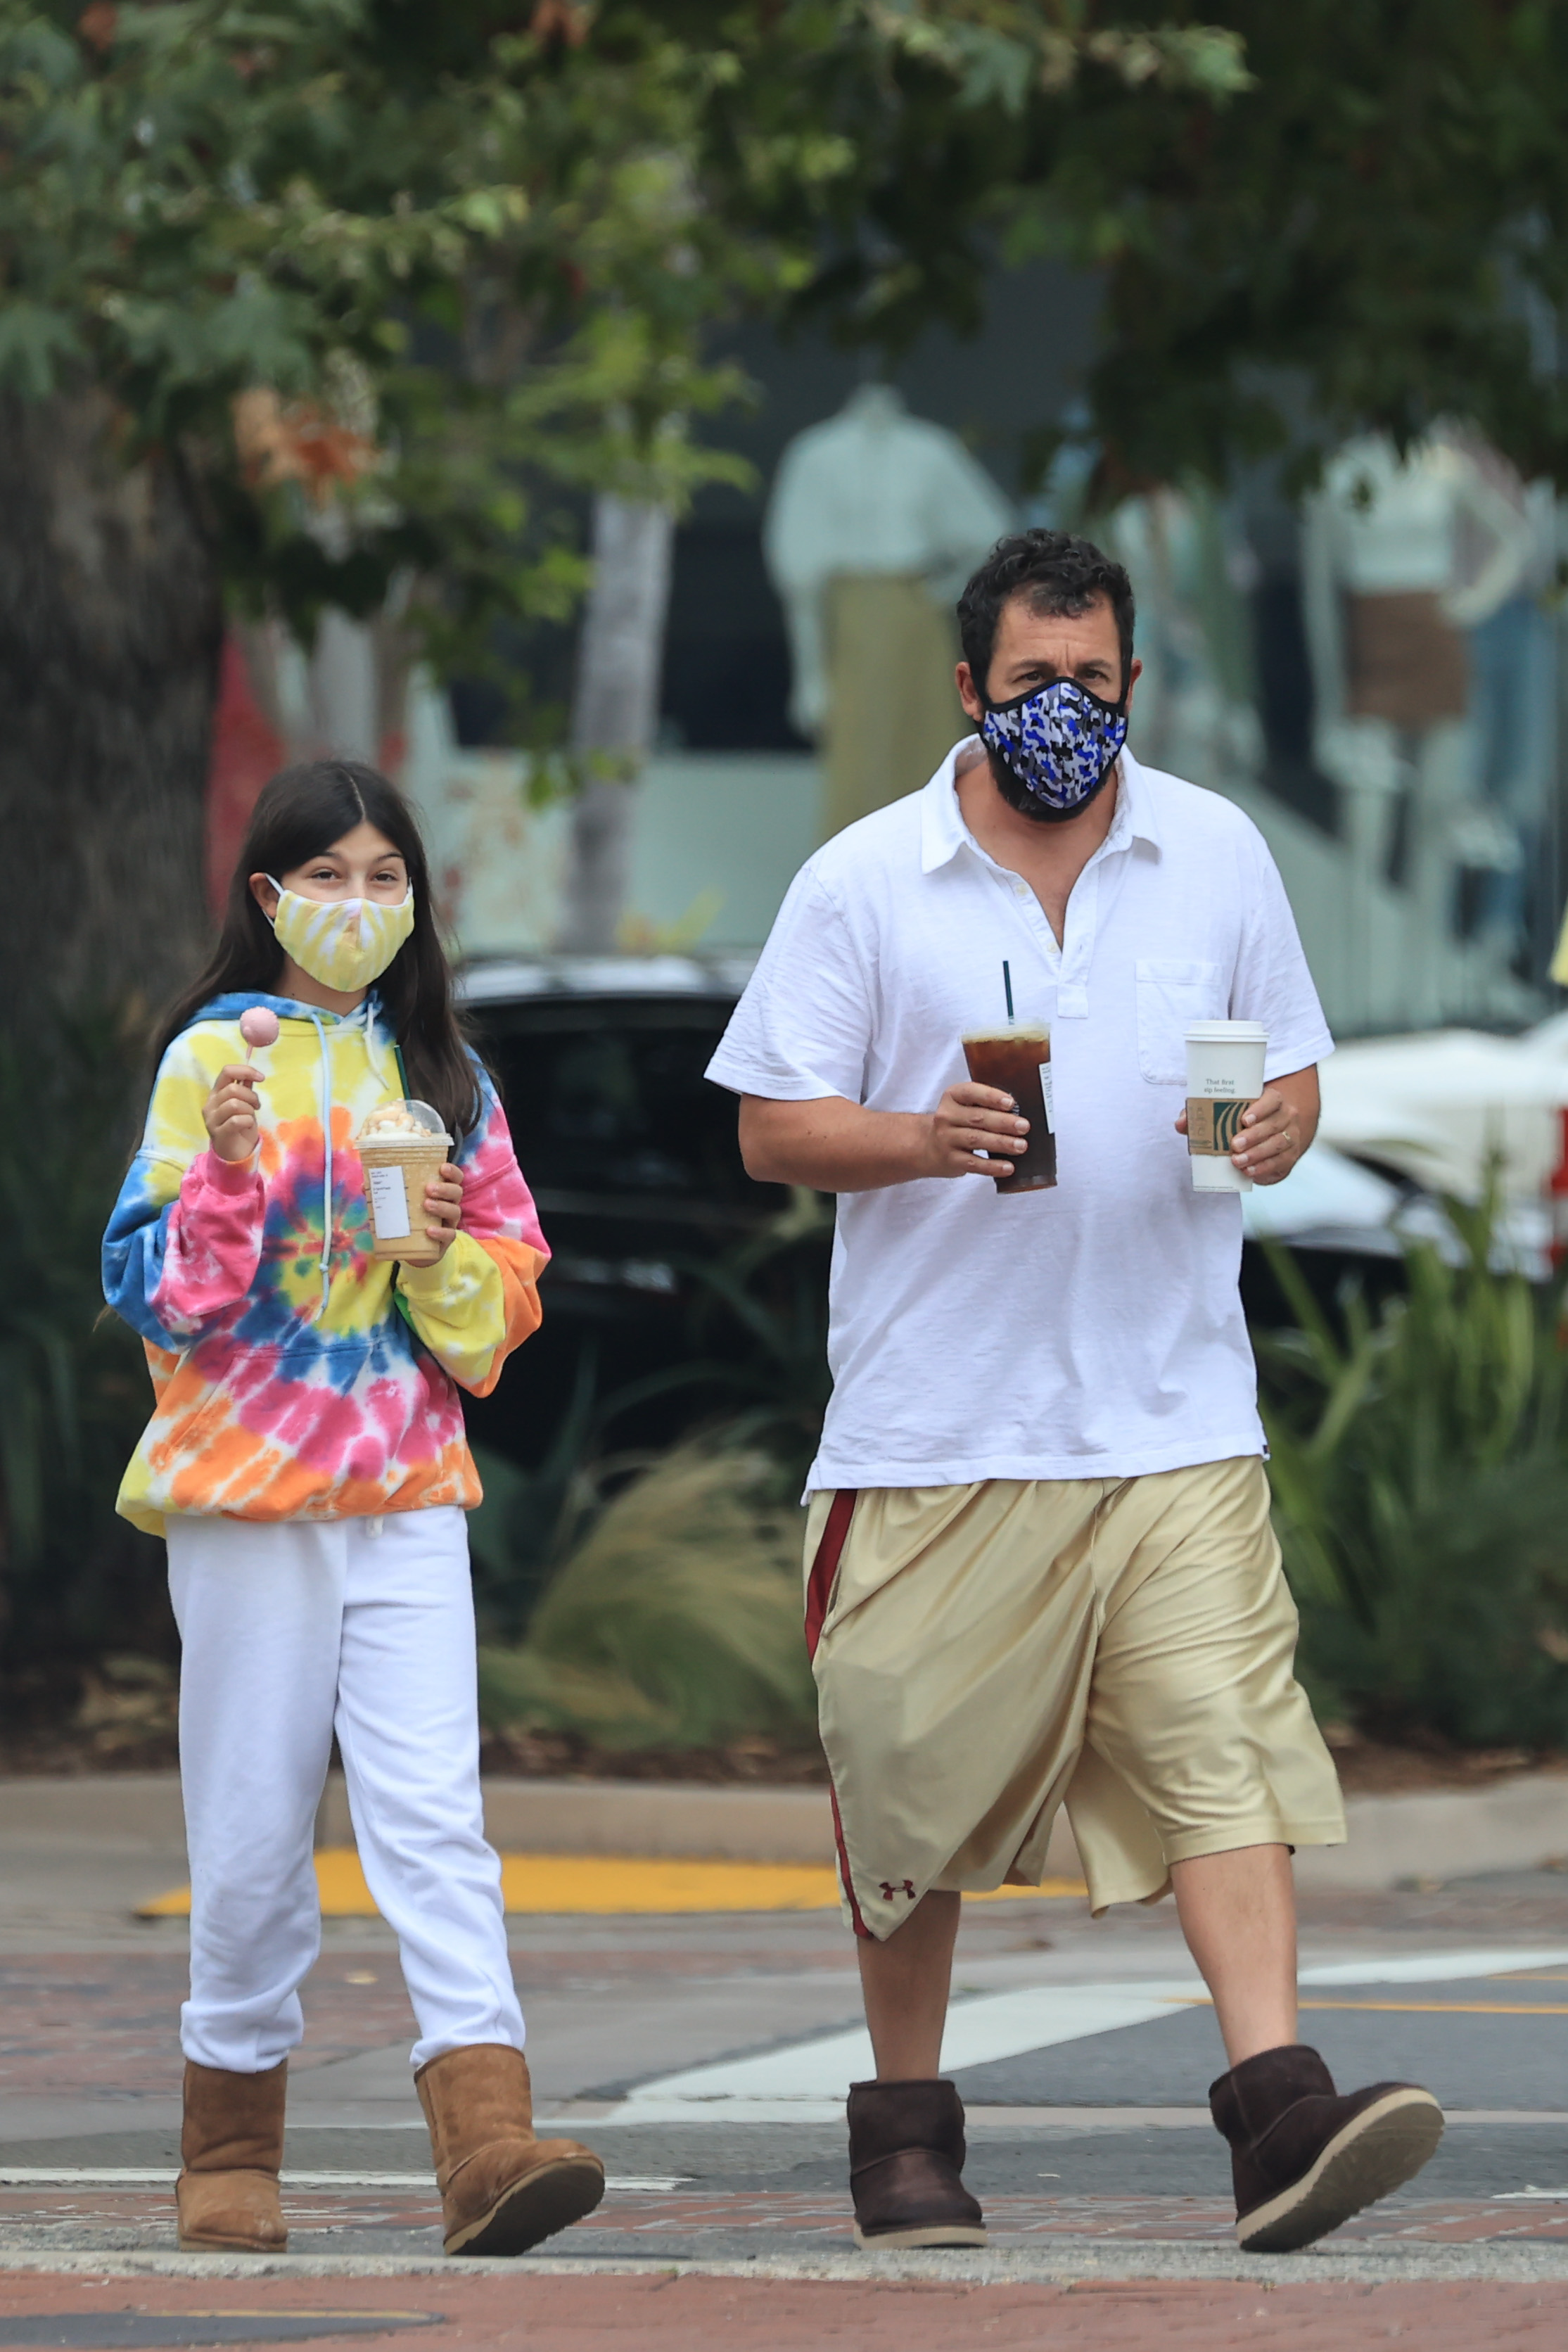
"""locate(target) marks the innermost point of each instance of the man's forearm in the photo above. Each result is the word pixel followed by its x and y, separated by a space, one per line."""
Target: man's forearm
pixel 838 1146
pixel 831 1144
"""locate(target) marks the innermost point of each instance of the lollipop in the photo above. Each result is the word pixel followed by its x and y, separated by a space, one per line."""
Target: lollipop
pixel 259 1027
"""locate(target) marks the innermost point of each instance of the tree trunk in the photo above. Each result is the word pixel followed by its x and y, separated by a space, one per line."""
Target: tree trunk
pixel 110 623
pixel 615 707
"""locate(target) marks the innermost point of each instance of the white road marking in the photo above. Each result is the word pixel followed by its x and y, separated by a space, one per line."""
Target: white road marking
pixel 818 2073
pixel 809 2081
pixel 1433 1967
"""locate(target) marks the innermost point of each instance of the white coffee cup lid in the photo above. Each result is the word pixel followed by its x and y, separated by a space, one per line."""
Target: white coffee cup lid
pixel 1226 1032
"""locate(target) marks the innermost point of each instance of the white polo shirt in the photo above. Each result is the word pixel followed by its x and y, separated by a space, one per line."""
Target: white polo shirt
pixel 1094 1330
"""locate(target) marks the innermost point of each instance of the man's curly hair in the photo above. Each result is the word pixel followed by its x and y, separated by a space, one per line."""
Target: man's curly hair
pixel 1054 573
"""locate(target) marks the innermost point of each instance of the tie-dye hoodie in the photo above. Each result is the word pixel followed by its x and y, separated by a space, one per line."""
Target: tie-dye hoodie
pixel 296 1376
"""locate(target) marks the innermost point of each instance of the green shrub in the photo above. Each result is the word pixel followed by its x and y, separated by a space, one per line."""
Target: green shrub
pixel 675 1621
pixel 1420 1476
pixel 528 1520
pixel 757 1338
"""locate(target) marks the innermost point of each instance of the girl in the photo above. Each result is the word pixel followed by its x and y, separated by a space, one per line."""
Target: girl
pixel 306 1461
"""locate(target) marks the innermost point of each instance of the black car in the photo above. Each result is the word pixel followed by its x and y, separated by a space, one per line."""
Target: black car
pixel 631 1157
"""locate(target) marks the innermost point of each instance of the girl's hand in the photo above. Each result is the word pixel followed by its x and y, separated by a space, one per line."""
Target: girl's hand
pixel 231 1111
pixel 444 1201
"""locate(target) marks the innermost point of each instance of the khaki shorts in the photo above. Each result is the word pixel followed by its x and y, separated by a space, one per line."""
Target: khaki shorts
pixel 985 1654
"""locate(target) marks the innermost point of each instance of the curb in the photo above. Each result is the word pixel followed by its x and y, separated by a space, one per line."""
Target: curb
pixel 1515 1824
pixel 1518 1824
pixel 1064 2261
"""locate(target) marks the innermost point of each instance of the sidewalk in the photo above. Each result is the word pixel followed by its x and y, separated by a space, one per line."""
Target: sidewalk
pixel 661 2312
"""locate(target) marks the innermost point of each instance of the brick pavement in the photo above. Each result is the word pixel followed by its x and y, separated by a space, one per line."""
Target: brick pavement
pixel 726 2225
pixel 666 2313
pixel 74 2022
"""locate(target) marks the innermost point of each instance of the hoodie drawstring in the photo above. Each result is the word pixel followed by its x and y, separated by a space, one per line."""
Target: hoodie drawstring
pixel 327 1156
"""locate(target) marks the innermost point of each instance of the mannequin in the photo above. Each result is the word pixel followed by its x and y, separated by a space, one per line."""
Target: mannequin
pixel 1512 703
pixel 1401 556
pixel 1195 713
pixel 875 521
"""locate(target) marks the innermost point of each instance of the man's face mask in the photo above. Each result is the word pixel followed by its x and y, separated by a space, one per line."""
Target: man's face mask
pixel 1058 742
pixel 344 943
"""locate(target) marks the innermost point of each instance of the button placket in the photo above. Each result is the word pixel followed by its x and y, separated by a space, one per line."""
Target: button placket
pixel 1082 922
pixel 1078 945
pixel 1013 885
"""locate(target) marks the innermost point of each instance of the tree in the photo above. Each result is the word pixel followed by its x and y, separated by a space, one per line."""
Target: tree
pixel 304 300
pixel 298 302
pixel 1306 221
pixel 1375 237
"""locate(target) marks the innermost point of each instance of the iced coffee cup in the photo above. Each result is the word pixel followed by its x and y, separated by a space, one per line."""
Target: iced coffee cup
pixel 1224 1073
pixel 1018 1061
pixel 401 1146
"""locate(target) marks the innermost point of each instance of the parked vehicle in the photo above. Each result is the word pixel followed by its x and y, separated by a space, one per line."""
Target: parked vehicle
pixel 632 1160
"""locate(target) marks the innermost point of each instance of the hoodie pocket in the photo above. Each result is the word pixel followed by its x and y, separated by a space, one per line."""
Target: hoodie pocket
pixel 193 1404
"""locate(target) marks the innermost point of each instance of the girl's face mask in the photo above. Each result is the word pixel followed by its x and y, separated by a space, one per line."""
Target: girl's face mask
pixel 345 943
pixel 1058 742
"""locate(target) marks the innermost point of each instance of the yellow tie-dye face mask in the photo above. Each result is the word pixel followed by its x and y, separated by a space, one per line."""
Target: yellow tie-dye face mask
pixel 342 942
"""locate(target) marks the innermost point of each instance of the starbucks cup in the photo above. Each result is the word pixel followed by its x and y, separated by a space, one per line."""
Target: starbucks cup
pixel 1224 1073
pixel 401 1146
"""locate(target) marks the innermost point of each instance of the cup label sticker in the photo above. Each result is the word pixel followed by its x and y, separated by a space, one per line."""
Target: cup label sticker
pixel 1050 1104
pixel 1212 1127
pixel 388 1203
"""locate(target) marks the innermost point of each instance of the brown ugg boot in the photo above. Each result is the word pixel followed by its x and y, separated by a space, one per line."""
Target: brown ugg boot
pixel 906 2156
pixel 1302 2156
pixel 231 2149
pixel 501 2190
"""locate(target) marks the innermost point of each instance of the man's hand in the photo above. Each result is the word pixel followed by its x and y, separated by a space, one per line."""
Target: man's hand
pixel 231 1112
pixel 1275 1129
pixel 970 1119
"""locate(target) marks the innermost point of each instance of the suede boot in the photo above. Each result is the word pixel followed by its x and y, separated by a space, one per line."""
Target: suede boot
pixel 231 2149
pixel 1302 2156
pixel 906 2156
pixel 501 2190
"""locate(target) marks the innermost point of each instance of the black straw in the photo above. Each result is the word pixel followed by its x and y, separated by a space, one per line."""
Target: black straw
pixel 1008 984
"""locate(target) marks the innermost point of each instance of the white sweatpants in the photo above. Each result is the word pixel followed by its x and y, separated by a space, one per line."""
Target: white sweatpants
pixel 291 1630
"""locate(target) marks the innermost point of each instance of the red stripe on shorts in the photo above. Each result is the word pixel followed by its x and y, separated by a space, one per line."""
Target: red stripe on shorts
pixel 825 1566
pixel 818 1590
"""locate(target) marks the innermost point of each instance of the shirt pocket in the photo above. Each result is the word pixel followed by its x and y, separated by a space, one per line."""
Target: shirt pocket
pixel 1171 993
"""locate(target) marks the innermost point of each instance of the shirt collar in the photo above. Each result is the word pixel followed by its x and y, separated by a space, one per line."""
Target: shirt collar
pixel 943 832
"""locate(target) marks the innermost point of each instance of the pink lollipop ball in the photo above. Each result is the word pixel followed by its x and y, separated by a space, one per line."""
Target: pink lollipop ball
pixel 258 1026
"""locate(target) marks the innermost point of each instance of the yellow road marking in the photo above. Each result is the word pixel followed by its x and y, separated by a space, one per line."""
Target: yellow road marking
pixel 1413 2008
pixel 612 1882
pixel 1454 2008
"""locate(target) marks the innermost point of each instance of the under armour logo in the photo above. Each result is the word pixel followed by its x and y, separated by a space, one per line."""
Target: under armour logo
pixel 889 1890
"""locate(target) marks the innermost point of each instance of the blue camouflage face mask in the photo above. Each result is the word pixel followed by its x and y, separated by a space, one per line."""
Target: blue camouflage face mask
pixel 1058 742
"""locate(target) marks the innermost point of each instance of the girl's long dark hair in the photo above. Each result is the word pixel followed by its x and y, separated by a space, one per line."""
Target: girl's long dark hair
pixel 300 813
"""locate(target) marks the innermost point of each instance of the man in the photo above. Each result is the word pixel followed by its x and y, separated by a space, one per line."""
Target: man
pixel 1040 1565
